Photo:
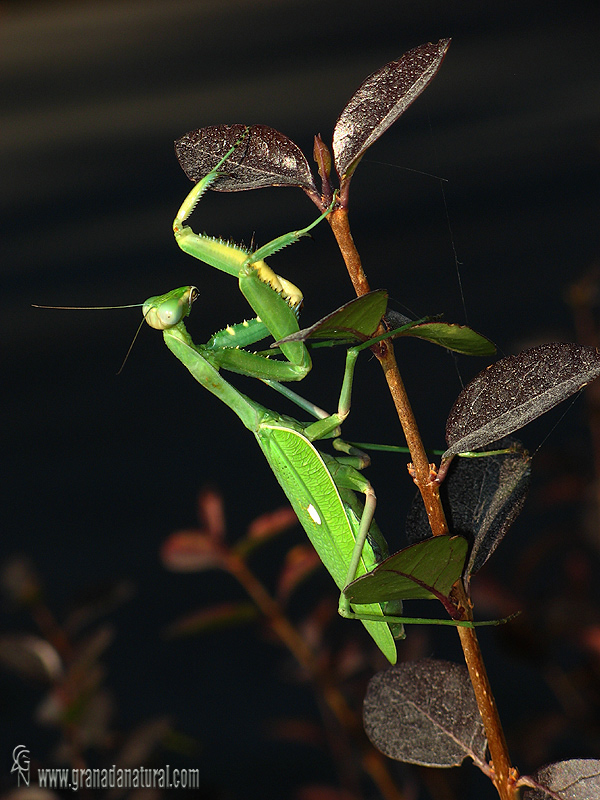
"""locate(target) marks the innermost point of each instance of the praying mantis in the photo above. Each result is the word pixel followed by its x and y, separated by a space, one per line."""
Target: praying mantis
pixel 320 487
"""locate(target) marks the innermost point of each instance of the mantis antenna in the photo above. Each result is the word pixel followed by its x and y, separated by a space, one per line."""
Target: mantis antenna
pixel 103 308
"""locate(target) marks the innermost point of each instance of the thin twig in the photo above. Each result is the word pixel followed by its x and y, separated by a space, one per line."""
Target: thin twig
pixel 372 761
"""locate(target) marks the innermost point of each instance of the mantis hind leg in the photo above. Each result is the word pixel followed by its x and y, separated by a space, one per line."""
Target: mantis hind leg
pixel 369 544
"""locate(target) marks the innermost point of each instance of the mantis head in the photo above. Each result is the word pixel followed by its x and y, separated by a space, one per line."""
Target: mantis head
pixel 166 310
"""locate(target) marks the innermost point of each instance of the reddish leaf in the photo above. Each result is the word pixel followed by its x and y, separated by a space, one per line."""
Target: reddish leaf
pixel 272 523
pixel 19 581
pixel 191 551
pixel 225 615
pixel 31 657
pixel 300 562
pixel 211 514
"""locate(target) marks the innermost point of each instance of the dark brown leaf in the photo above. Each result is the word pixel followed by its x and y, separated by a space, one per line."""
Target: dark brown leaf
pixel 425 712
pixel 516 390
pixel 380 100
pixel 482 497
pixel 264 158
pixel 577 779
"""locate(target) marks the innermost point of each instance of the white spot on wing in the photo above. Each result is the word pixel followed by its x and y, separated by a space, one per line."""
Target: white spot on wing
pixel 313 514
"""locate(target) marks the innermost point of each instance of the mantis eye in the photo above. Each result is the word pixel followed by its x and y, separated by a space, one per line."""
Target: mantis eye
pixel 165 314
pixel 166 311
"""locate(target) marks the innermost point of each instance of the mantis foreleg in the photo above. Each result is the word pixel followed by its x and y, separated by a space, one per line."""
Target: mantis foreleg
pixel 276 300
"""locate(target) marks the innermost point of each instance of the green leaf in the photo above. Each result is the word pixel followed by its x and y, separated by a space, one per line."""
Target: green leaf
pixel 424 571
pixel 455 337
pixel 354 321
pixel 357 321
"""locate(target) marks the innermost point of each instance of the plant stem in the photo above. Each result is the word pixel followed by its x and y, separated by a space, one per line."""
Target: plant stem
pixel 384 351
pixel 372 761
pixel 504 773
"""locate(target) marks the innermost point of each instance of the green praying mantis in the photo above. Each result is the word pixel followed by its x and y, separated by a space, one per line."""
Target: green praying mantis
pixel 321 488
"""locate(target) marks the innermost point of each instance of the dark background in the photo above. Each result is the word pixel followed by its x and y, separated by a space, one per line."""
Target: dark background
pixel 99 468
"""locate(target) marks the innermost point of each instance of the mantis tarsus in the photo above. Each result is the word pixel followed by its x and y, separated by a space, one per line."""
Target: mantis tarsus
pixel 320 487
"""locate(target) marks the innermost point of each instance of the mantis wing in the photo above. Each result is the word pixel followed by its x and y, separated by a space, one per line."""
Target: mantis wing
pixel 310 488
